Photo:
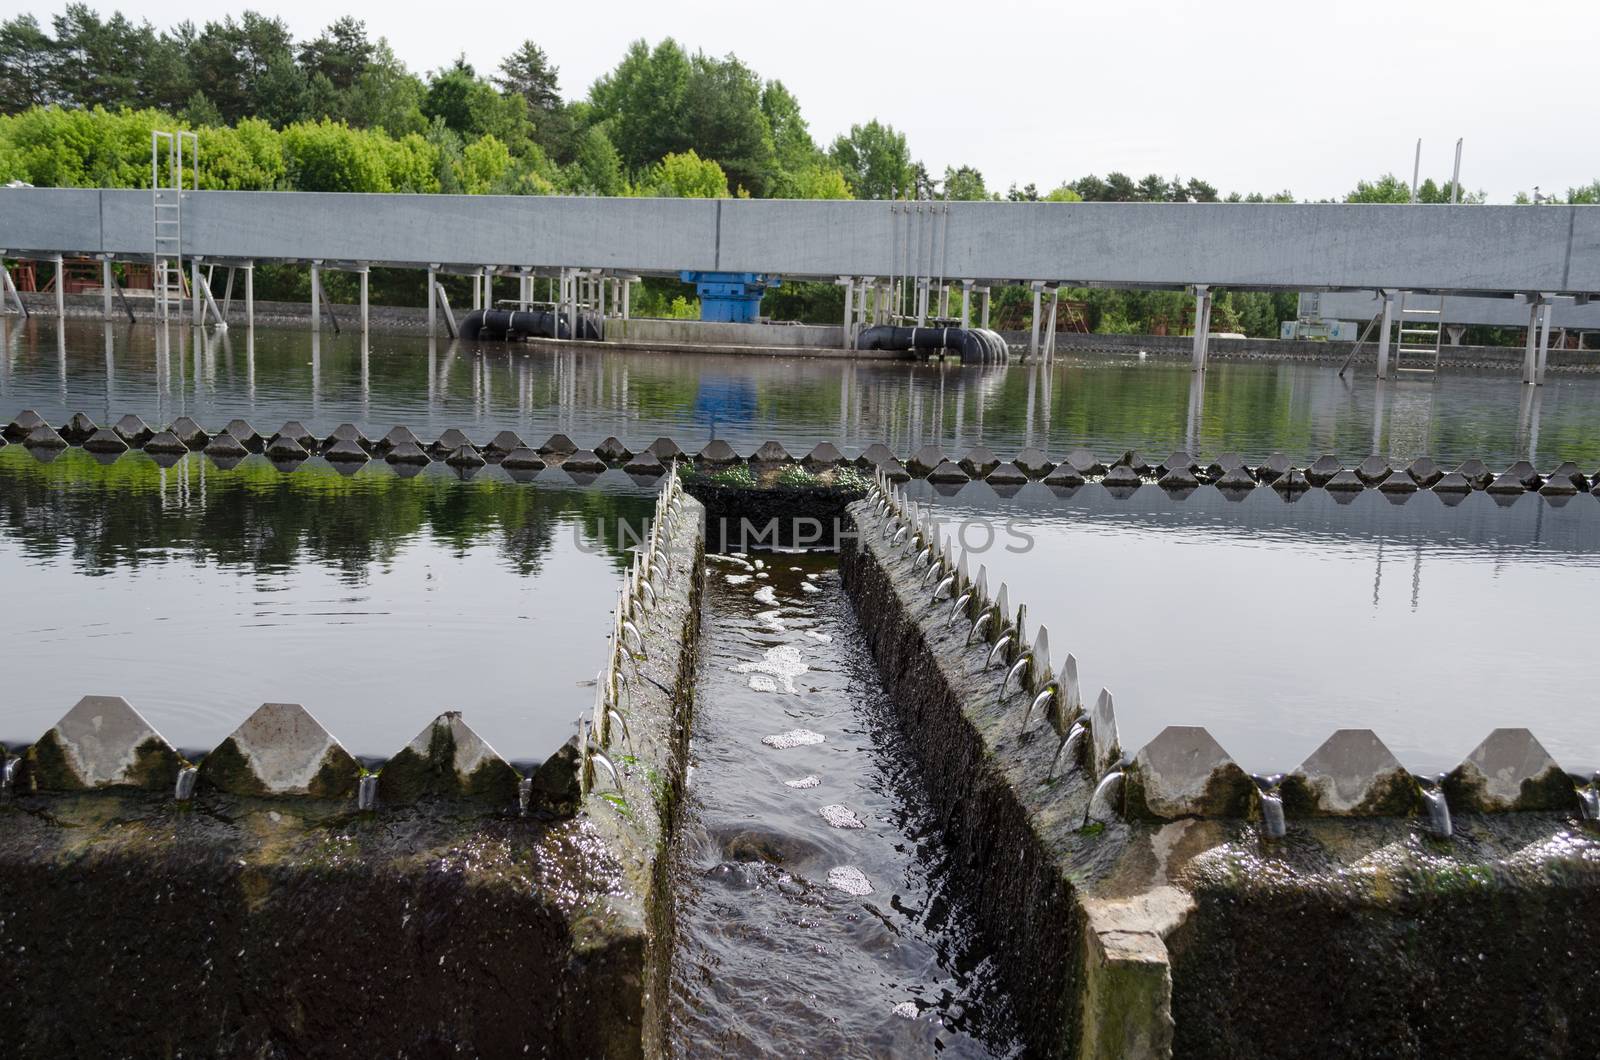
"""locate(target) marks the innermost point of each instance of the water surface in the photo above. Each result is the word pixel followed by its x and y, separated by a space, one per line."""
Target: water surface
pixel 374 600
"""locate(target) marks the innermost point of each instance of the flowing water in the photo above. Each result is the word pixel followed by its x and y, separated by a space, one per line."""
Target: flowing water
pixel 815 910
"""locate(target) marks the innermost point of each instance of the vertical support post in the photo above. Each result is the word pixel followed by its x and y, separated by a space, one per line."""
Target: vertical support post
pixel 61 288
pixel 364 272
pixel 966 303
pixel 1530 351
pixel 922 302
pixel 600 295
pixel 198 314
pixel 1544 339
pixel 849 285
pixel 227 294
pixel 316 296
pixel 627 294
pixel 477 290
pixel 1384 327
pixel 984 323
pixel 1033 336
pixel 524 286
pixel 105 286
pixel 250 295
pixel 1202 325
pixel 1050 337
pixel 433 303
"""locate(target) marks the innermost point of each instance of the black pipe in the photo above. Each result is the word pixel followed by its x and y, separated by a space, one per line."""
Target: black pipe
pixel 506 325
pixel 975 345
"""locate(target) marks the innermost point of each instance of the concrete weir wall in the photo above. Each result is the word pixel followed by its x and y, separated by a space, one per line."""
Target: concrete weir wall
pixel 1159 902
pixel 293 902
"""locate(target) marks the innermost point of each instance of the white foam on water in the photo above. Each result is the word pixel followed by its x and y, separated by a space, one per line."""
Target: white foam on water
pixel 820 638
pixel 812 577
pixel 907 1010
pixel 841 816
pixel 766 595
pixel 850 880
pixel 797 568
pixel 739 579
pixel 793 738
pixel 783 662
pixel 763 683
pixel 771 620
pixel 762 574
pixel 734 560
pixel 804 782
pixel 760 565
pixel 810 587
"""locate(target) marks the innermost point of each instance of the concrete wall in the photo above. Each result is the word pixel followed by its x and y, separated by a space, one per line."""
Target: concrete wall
pixel 701 333
pixel 1494 312
pixel 1466 248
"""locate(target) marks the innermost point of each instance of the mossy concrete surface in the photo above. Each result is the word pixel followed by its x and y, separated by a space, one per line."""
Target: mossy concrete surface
pixel 240 925
pixel 1198 936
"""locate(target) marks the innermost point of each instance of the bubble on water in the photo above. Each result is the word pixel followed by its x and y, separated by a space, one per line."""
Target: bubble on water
pixel 810 587
pixel 804 782
pixel 772 621
pixel 783 662
pixel 739 579
pixel 793 738
pixel 761 574
pixel 766 595
pixel 796 568
pixel 850 880
pixel 820 638
pixel 840 816
pixel 907 1010
pixel 763 683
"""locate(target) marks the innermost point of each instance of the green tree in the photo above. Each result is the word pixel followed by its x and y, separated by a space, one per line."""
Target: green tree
pixel 726 122
pixel 230 61
pixel 341 54
pixel 386 96
pixel 643 100
pixel 1064 193
pixel 528 72
pixel 472 107
pixel 27 65
pixel 596 168
pixel 685 176
pixel 964 184
pixel 874 159
pixel 245 157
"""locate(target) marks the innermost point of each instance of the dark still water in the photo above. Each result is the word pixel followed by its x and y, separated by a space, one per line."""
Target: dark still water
pixel 376 601
pixel 1275 623
pixel 815 913
pixel 1108 404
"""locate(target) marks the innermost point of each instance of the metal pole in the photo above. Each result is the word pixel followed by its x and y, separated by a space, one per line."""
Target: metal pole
pixel 1383 333
pixel 365 270
pixel 250 295
pixel 105 286
pixel 1202 305
pixel 1455 177
pixel 227 293
pixel 1530 350
pixel 1416 170
pixel 627 294
pixel 1050 339
pixel 966 303
pixel 848 283
pixel 984 323
pixel 432 300
pixel 1544 341
pixel 61 288
pixel 1033 336
pixel 316 301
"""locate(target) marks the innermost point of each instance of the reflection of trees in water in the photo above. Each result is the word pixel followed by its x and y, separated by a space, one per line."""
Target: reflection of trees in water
pixel 256 517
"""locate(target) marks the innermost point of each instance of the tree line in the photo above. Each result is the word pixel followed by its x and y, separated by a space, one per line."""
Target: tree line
pixel 340 112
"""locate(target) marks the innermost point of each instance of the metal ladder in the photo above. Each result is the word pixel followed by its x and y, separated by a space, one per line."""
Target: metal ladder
pixel 1421 333
pixel 168 177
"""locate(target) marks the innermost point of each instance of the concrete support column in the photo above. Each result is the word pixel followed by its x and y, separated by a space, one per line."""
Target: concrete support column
pixel 984 322
pixel 524 287
pixel 1033 336
pixel 1544 338
pixel 1530 350
pixel 600 295
pixel 1202 325
pixel 433 303
pixel 849 285
pixel 966 303
pixel 1050 335
pixel 105 286
pixel 316 295
pixel 922 302
pixel 61 288
pixel 199 311
pixel 364 271
pixel 627 293
pixel 1384 327
pixel 250 295
pixel 477 290
pixel 1454 333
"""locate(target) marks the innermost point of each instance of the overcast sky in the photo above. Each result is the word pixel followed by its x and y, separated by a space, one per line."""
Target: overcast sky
pixel 1250 95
